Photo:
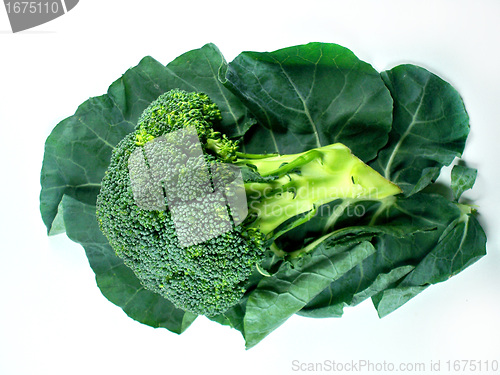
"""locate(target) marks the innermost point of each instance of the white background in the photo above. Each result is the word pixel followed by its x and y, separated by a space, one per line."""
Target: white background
pixel 53 318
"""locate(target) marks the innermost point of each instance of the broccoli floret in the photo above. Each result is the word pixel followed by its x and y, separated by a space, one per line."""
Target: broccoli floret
pixel 193 217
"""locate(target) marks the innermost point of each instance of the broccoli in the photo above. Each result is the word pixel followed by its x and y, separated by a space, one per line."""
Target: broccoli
pixel 193 217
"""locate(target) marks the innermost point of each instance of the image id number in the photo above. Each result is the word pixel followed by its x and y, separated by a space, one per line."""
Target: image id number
pixel 33 7
pixel 472 365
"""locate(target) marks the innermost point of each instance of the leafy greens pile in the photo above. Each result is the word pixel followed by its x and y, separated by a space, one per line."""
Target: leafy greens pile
pixel 406 123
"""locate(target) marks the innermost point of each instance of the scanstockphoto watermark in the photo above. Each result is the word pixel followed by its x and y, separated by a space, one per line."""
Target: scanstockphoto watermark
pixel 207 200
pixel 349 208
pixel 354 366
pixel 458 366
pixel 25 15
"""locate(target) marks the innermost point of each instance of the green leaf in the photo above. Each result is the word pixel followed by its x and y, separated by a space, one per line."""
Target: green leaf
pixel 310 96
pixel 461 244
pixel 199 70
pixel 326 309
pixel 116 281
pixel 78 150
pixel 429 129
pixel 77 154
pixel 432 214
pixel 462 179
pixel 281 295
pixel 389 300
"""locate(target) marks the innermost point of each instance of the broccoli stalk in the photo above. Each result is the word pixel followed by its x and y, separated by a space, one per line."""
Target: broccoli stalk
pixel 282 192
pixel 303 182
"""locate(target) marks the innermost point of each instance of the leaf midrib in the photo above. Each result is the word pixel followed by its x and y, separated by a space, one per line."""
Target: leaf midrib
pixel 303 101
pixel 414 121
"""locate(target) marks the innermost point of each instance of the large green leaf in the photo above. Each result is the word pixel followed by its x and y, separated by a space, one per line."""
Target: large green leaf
pixel 281 295
pixel 429 130
pixel 310 96
pixel 199 70
pixel 78 150
pixel 333 244
pixel 461 244
pixel 378 272
pixel 116 281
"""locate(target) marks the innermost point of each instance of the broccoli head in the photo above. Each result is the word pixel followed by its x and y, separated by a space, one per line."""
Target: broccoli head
pixel 193 217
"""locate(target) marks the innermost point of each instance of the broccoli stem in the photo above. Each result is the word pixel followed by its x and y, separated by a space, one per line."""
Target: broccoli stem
pixel 242 156
pixel 303 182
